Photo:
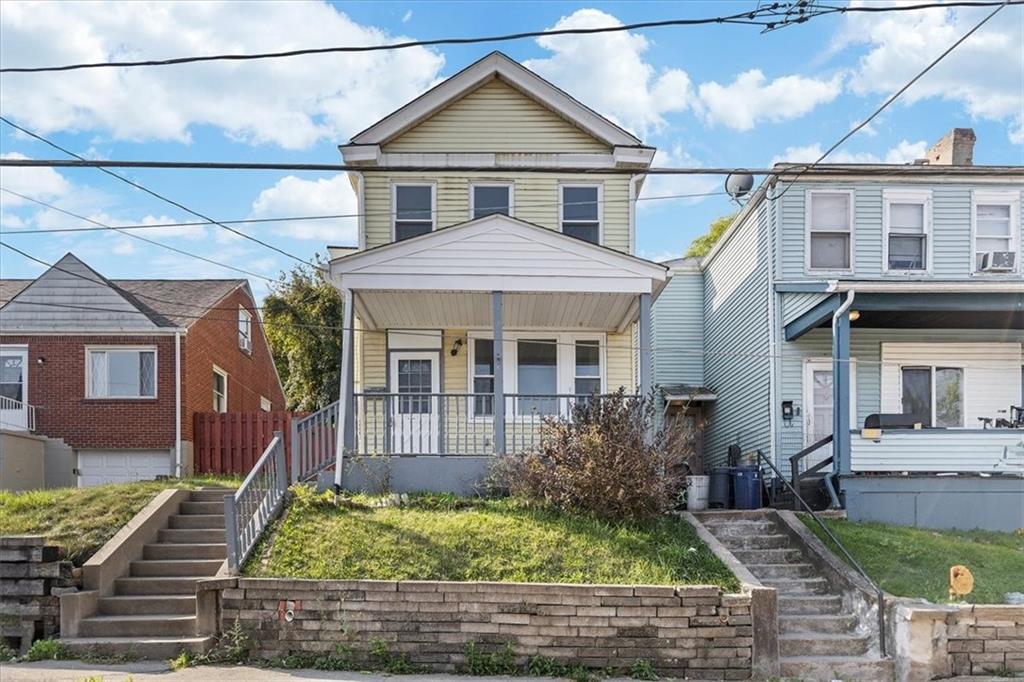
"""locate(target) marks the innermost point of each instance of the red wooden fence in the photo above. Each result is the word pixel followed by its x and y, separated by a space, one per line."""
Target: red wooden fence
pixel 231 442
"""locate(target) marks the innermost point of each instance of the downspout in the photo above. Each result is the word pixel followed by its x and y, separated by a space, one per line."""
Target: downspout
pixel 179 464
pixel 830 478
pixel 773 388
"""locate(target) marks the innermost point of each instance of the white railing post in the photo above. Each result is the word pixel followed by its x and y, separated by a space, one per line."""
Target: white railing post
pixel 281 475
pixel 231 532
pixel 295 449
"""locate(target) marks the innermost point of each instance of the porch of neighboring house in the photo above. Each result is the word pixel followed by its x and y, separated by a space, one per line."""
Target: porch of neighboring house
pixel 943 372
pixel 459 343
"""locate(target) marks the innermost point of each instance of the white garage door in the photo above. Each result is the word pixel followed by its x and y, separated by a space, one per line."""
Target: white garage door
pixel 119 466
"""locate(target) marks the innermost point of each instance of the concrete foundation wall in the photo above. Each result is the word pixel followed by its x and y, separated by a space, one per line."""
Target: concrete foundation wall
pixel 21 461
pixel 964 502
pixel 462 475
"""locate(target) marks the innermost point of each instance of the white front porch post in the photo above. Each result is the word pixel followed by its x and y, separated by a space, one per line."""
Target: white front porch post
pixel 643 353
pixel 497 321
pixel 346 404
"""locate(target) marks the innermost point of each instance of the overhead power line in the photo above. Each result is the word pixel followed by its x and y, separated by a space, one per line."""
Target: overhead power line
pixel 771 16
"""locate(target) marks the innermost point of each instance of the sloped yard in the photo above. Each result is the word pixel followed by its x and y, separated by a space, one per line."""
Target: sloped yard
pixel 450 538
pixel 915 562
pixel 80 520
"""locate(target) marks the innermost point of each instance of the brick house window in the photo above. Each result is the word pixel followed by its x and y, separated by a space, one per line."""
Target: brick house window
pixel 220 390
pixel 244 329
pixel 265 404
pixel 121 373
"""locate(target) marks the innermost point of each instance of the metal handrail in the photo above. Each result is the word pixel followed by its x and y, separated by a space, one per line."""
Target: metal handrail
pixel 879 594
pixel 794 467
pixel 249 511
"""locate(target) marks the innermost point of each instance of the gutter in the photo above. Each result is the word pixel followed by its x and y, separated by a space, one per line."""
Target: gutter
pixel 179 464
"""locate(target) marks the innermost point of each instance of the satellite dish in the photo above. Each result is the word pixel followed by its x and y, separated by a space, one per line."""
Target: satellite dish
pixel 739 185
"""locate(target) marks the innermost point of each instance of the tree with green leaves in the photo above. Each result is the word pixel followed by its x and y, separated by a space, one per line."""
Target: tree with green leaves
pixel 303 320
pixel 703 244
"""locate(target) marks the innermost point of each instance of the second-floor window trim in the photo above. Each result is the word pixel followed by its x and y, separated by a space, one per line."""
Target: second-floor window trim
pixel 995 226
pixel 412 215
pixel 220 389
pixel 581 213
pixel 244 329
pixel 907 231
pixel 490 201
pixel 829 243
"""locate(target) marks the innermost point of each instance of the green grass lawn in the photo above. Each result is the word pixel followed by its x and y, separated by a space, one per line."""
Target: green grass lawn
pixel 914 562
pixel 449 538
pixel 80 520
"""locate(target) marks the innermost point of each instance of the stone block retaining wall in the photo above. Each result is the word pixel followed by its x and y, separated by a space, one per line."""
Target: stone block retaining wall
pixel 32 576
pixel 985 639
pixel 694 631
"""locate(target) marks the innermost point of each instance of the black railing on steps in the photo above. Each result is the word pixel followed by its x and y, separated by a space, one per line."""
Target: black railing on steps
pixel 797 475
pixel 879 594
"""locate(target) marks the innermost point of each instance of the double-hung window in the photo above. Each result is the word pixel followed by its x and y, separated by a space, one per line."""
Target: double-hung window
pixel 996 218
pixel 829 218
pixel 414 210
pixel 244 329
pixel 587 375
pixel 220 390
pixel 537 375
pixel 489 198
pixel 907 218
pixel 935 395
pixel 483 377
pixel 121 373
pixel 581 212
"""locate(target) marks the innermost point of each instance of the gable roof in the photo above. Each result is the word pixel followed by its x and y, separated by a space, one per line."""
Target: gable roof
pixel 495 65
pixel 71 296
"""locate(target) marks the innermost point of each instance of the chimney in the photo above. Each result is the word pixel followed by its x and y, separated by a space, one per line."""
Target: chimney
pixel 956 148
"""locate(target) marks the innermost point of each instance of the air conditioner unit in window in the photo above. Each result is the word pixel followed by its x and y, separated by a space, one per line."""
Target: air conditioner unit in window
pixel 998 261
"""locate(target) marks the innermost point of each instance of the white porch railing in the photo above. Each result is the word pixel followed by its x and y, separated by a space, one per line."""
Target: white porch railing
pixel 940 451
pixel 256 502
pixel 17 415
pixel 313 442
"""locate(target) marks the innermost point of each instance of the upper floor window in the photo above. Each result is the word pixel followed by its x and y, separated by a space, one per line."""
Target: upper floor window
pixel 829 230
pixel 996 226
pixel 907 219
pixel 581 212
pixel 121 373
pixel 220 390
pixel 488 199
pixel 414 210
pixel 244 329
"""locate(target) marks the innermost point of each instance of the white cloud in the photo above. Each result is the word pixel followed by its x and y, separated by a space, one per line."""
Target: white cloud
pixel 904 152
pixel 290 102
pixel 292 196
pixel 673 185
pixel 44 184
pixel 751 98
pixel 983 73
pixel 607 72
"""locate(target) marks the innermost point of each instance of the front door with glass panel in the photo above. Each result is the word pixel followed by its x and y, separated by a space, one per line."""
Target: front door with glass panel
pixel 14 388
pixel 819 408
pixel 415 404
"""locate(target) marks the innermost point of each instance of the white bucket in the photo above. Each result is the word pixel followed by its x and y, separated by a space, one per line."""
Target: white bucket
pixel 697 492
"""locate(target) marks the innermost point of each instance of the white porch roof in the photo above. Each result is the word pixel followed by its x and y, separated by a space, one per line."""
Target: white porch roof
pixel 445 279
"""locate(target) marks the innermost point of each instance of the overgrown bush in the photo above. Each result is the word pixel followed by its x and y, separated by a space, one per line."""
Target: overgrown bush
pixel 603 458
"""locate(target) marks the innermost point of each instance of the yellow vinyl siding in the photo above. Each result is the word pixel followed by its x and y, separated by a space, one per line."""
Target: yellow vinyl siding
pixel 495 118
pixel 536 197
pixel 619 353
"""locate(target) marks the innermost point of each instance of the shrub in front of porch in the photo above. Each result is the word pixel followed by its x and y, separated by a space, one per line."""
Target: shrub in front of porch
pixel 604 459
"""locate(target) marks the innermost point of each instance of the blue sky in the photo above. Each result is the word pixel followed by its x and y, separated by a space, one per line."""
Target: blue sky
pixel 713 96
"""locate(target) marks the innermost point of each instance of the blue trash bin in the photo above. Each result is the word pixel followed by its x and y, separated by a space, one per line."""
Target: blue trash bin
pixel 746 486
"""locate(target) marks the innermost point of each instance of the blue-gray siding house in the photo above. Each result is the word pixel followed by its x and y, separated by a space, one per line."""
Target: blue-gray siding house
pixel 848 291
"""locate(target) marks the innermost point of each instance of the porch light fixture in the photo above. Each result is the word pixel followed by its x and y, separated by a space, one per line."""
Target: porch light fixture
pixel 456 346
pixel 854 315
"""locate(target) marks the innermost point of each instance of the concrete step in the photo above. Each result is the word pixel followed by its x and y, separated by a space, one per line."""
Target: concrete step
pixel 826 668
pixel 725 528
pixel 163 625
pixel 191 536
pixel 809 604
pixel 202 508
pixel 768 556
pixel 797 585
pixel 754 541
pixel 821 644
pixel 149 648
pixel 781 571
pixel 181 605
pixel 211 550
pixel 196 521
pixel 830 624
pixel 185 585
pixel 210 495
pixel 175 567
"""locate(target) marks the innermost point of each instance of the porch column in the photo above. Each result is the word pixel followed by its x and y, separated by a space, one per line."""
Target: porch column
pixel 346 403
pixel 644 345
pixel 841 393
pixel 497 321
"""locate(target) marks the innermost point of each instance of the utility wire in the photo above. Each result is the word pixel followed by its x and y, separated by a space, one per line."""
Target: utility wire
pixel 892 98
pixel 801 11
pixel 159 196
pixel 755 17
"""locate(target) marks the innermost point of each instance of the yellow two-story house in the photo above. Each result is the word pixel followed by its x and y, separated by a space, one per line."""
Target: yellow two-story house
pixel 495 281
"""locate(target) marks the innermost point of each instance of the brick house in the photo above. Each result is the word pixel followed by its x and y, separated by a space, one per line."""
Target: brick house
pixel 101 364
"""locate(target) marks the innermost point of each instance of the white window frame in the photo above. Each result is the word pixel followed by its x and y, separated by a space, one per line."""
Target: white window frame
pixel 265 404
pixel 600 205
pixel 245 315
pixel 907 196
pixel 808 200
pixel 88 372
pixel 502 183
pixel 987 196
pixel 395 184
pixel 932 367
pixel 565 367
pixel 221 372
